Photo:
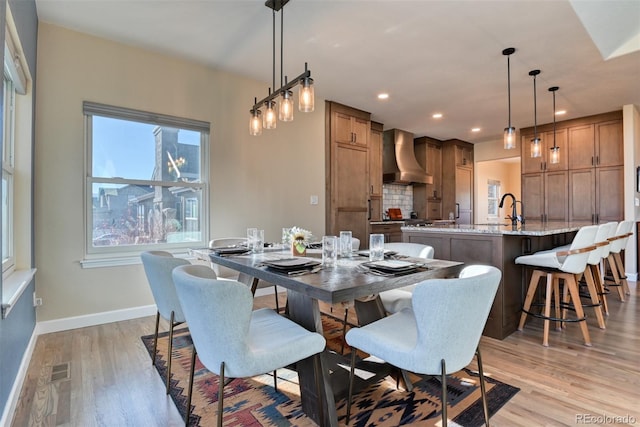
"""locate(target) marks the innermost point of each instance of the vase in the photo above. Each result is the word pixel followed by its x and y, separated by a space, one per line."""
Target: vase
pixel 298 248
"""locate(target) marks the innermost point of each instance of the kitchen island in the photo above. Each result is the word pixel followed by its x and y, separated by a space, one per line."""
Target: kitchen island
pixel 498 245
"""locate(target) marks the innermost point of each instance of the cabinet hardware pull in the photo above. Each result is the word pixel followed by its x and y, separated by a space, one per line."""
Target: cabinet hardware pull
pixel 457 210
pixel 592 161
pixel 597 160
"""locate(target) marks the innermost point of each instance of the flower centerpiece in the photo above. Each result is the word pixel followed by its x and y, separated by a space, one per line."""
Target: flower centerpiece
pixel 300 239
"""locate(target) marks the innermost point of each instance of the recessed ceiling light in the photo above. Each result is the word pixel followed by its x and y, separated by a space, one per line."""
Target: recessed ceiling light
pixel 475 129
pixel 383 95
pixel 437 116
pixel 561 112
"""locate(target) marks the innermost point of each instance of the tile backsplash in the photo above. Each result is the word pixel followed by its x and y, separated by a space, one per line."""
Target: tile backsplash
pixel 398 196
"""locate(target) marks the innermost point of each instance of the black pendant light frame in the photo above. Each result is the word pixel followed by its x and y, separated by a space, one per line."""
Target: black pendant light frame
pixel 536 140
pixel 277 5
pixel 510 130
pixel 555 150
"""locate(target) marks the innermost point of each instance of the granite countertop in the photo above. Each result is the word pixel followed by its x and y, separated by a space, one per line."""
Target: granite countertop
pixel 529 229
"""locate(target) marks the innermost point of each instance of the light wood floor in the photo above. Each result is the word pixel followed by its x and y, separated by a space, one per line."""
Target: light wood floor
pixel 102 375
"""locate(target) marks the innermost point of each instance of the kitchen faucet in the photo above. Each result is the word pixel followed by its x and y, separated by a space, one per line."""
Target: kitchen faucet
pixel 514 211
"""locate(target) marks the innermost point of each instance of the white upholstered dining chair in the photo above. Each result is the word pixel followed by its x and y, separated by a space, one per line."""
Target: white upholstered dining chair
pixel 158 266
pixel 228 273
pixel 440 331
pixel 396 299
pixel 230 339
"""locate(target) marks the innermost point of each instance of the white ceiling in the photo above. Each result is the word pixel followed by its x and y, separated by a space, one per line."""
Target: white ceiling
pixel 429 55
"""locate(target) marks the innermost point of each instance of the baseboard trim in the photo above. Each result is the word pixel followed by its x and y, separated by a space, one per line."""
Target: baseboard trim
pixel 14 394
pixel 632 277
pixel 94 319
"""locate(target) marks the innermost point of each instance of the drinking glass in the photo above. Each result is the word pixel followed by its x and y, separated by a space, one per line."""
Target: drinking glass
pixel 286 239
pixel 376 247
pixel 346 245
pixel 258 242
pixel 252 234
pixel 329 251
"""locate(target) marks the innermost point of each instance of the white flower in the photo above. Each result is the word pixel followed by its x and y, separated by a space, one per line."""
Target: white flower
pixel 300 236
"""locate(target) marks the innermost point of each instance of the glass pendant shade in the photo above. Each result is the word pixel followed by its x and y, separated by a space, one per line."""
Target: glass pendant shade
pixel 286 107
pixel 255 123
pixel 306 96
pixel 269 118
pixel 555 155
pixel 509 138
pixel 536 147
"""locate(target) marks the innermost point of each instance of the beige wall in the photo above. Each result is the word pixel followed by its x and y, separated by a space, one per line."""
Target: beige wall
pixel 263 182
pixel 508 173
pixel 492 161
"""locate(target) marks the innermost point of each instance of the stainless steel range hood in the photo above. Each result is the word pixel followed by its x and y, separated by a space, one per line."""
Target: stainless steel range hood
pixel 399 163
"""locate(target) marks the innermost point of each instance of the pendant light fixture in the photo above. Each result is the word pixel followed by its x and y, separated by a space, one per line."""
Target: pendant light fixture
pixel 285 108
pixel 555 150
pixel 255 122
pixel 536 146
pixel 509 131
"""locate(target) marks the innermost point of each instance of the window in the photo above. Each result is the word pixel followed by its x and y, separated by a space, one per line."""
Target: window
pixel 8 261
pixel 492 198
pixel 147 182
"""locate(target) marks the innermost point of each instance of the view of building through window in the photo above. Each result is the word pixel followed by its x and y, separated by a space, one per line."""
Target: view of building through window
pixel 146 183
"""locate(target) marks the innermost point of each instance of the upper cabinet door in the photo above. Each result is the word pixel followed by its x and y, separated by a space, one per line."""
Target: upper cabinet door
pixel 581 147
pixel 343 132
pixel 561 142
pixel 608 143
pixel 529 164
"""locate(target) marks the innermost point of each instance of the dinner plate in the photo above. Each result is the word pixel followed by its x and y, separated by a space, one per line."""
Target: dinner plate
pixel 291 263
pixel 387 252
pixel 230 250
pixel 392 266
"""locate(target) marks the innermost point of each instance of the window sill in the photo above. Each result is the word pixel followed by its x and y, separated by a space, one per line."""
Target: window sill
pixel 101 262
pixel 13 287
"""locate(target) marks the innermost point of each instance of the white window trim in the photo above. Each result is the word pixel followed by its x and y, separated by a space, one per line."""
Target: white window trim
pixel 116 256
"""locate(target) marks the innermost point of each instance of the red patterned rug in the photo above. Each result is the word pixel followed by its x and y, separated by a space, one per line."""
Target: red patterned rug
pixel 253 402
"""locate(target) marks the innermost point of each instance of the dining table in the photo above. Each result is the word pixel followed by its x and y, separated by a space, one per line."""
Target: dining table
pixel 321 379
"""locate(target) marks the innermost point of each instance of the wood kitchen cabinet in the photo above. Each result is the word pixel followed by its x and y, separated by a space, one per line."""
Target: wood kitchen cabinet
pixel 596 144
pixel 543 163
pixel 427 198
pixel 457 180
pixel 596 194
pixel 545 195
pixel 590 187
pixel 347 170
pixel 392 231
pixel 375 172
pixel 351 128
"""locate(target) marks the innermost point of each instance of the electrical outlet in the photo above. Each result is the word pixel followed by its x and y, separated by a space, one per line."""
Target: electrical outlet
pixel 314 200
pixel 37 302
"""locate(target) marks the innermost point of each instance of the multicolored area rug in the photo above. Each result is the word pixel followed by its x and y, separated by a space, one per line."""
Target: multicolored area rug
pixel 253 402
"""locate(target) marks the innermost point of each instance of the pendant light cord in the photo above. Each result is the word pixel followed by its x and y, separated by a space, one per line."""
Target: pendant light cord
pixel 281 45
pixel 509 87
pixel 273 81
pixel 554 119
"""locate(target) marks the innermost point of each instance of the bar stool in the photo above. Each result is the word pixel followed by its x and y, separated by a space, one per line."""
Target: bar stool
pixel 614 259
pixel 592 274
pixel 556 266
